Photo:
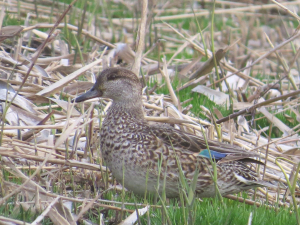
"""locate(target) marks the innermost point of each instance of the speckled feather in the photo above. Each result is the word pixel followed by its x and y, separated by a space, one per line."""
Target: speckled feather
pixel 134 150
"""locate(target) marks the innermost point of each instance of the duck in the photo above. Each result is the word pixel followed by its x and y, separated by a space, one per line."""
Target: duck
pixel 150 158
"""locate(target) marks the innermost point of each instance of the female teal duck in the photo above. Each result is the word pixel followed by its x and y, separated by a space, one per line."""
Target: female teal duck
pixel 136 151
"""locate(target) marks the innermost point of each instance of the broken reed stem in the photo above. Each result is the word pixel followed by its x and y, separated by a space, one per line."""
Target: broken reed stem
pixel 77 200
pixel 45 212
pixel 42 46
pixel 70 163
pixel 249 202
pixel 6 220
pixel 4 199
pixel 260 58
pixel 140 39
pixel 250 109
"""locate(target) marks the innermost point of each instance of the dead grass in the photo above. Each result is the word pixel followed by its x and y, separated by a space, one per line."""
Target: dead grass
pixel 52 146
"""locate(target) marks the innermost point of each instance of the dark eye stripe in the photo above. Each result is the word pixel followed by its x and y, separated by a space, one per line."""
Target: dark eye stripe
pixel 113 77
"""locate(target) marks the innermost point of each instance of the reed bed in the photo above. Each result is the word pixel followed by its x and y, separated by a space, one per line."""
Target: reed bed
pixel 49 146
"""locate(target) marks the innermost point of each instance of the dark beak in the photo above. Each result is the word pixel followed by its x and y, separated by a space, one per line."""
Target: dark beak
pixel 93 93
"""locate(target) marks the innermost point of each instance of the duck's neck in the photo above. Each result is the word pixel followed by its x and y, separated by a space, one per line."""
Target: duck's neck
pixel 132 109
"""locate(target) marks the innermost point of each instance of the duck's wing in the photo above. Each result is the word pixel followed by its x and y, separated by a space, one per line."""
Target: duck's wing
pixel 188 142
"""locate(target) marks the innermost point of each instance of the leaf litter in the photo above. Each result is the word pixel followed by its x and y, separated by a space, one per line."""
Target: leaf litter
pixel 41 130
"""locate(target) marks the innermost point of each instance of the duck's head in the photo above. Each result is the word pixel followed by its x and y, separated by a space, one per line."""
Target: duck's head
pixel 118 84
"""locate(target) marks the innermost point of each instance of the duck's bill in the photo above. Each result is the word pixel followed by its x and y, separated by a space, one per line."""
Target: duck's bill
pixel 93 93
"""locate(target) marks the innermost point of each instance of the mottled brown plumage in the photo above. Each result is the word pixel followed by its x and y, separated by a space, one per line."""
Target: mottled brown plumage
pixel 134 150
